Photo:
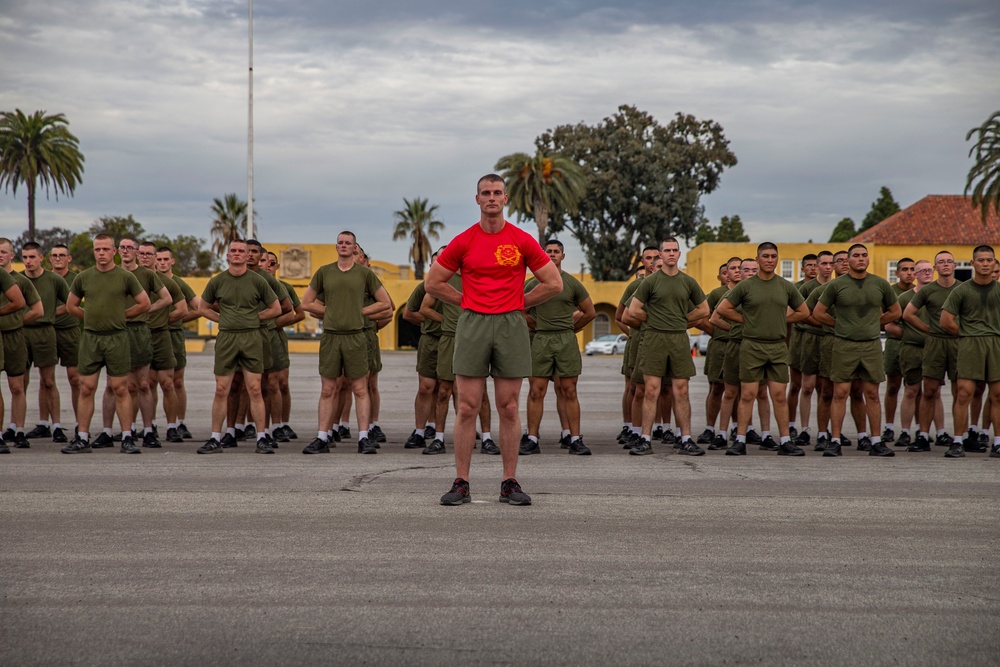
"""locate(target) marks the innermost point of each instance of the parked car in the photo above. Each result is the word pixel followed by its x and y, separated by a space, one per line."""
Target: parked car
pixel 699 343
pixel 606 344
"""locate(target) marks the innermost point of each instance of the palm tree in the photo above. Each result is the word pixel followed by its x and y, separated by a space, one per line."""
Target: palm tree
pixel 542 185
pixel 986 193
pixel 417 222
pixel 229 222
pixel 38 148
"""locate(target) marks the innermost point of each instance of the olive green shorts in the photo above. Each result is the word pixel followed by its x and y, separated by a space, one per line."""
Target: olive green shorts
pixel 265 343
pixel 279 350
pixel 857 360
pixel 940 358
pixel 809 345
pixel 427 356
pixel 979 358
pixel 713 361
pixel 911 361
pixel 140 345
pixel 555 353
pixel 163 350
pixel 826 356
pixel 239 350
pixel 731 362
pixel 445 369
pixel 180 348
pixel 763 360
pixel 890 356
pixel 343 354
pixel 666 355
pixel 41 342
pixel 105 350
pixel 632 352
pixel 495 345
pixel 15 357
pixel 68 346
pixel 374 350
pixel 795 349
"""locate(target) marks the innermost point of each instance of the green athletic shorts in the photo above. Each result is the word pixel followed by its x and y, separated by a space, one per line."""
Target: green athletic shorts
pixel 857 360
pixel 163 350
pixel 265 343
pixel 911 361
pixel 105 350
pixel 795 349
pixel 713 361
pixel 41 342
pixel 445 369
pixel 495 344
pixel 427 356
pixel 731 362
pixel 809 354
pixel 374 350
pixel 239 350
pixel 940 358
pixel 15 357
pixel 979 358
pixel 343 354
pixel 890 356
pixel 279 350
pixel 826 356
pixel 666 355
pixel 763 360
pixel 68 346
pixel 140 345
pixel 555 353
pixel 180 349
pixel 632 352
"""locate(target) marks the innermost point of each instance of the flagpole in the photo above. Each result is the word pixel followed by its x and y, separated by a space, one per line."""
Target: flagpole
pixel 251 227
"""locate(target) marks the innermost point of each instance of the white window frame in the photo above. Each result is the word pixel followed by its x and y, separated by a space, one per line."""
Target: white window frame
pixel 788 265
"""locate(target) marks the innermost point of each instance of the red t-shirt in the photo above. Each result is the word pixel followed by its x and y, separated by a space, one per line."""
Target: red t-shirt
pixel 493 267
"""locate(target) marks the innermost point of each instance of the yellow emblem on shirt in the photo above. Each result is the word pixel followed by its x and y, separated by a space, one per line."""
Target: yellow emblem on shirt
pixel 508 255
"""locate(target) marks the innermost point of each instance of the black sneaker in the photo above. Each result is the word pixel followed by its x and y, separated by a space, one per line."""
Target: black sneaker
pixel 270 440
pixel 250 432
pixel 864 444
pixel 528 446
pixel 8 435
pixel 129 446
pixel 737 449
pixel 564 441
pixel 802 439
pixel 577 447
pixel 211 446
pixel 117 437
pixel 719 443
pixel 768 444
pixel 511 493
pixel 436 447
pixel 317 446
pixel 844 441
pixel 489 447
pixel 943 440
pixel 921 444
pixel 690 448
pixel 669 437
pixel 995 451
pixel 888 436
pixel 903 440
pixel 833 448
pixel 790 449
pixel 793 432
pixel 429 433
pixel 458 495
pixel 343 431
pixel 379 435
pixel 335 435
pixel 4 449
pixel 956 451
pixel 822 442
pixel 40 431
pixel 415 441
pixel 58 435
pixel 290 433
pixel 240 435
pixel 706 437
pixel 367 446
pixel 972 445
pixel 185 433
pixel 880 449
pixel 20 441
pixel 151 440
pixel 658 433
pixel 174 436
pixel 229 441
pixel 984 438
pixel 632 440
pixel 77 447
pixel 643 448
pixel 753 438
pixel 103 440
pixel 624 435
pixel 280 434
pixel 264 446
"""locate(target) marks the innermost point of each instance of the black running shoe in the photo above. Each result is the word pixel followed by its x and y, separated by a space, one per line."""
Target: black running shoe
pixel 4 449
pixel 833 449
pixel 280 434
pixel 753 438
pixel 367 446
pixel 20 441
pixel 768 444
pixel 150 440
pixel 77 447
pixel 921 444
pixel 888 436
pixel 658 433
pixel 489 447
pixel 864 444
pixel 379 435
pixel 822 442
pixel 250 432
pixel 103 440
pixel 415 441
pixel 174 436
pixel 335 435
pixel 793 432
pixel 632 440
pixel 972 445
pixel 706 437
pixel 264 446
pixel 737 449
pixel 429 433
pixel 343 431
pixel 240 435
pixel 984 438
pixel 528 446
pixel 943 440
pixel 40 431
pixel 690 448
pixel 669 437
pixel 511 493
pixel 229 441
pixel 564 441
pixel 718 443
pixel 643 448
pixel 956 451
pixel 623 436
pixel 211 446
pixel 290 433
pixel 880 449
pixel 129 446
pixel 903 440
pixel 577 447
pixel 58 435
pixel 458 495
pixel 995 451
pixel 185 433
pixel 317 446
pixel 117 437
pixel 270 440
pixel 8 435
pixel 844 442
pixel 790 449
pixel 436 447
pixel 802 439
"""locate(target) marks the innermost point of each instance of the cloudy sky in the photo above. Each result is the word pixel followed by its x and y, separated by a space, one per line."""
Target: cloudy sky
pixel 359 104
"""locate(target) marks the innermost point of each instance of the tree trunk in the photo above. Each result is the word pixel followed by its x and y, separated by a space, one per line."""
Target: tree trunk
pixel 418 270
pixel 31 211
pixel 542 220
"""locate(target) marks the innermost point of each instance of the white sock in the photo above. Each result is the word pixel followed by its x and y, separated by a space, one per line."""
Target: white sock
pixel 486 436
pixel 793 425
pixel 216 435
pixel 533 438
pixel 564 433
pixel 362 435
pixel 84 436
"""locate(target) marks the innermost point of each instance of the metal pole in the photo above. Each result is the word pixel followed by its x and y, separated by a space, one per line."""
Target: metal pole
pixel 251 228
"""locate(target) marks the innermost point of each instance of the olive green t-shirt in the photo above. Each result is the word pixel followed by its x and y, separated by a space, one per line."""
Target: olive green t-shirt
pixel 151 283
pixel 15 320
pixel 977 308
pixel 240 299
pixel 347 291
pixel 668 299
pixel 189 295
pixel 714 297
pixel 911 335
pixel 860 303
pixel 292 296
pixel 932 297
pixel 106 295
pixel 764 306
pixel 811 302
pixel 805 289
pixel 160 319
pixel 556 314
pixel 278 289
pixel 450 312
pixel 428 326
pixel 67 321
pixel 53 291
pixel 627 299
pixel 735 328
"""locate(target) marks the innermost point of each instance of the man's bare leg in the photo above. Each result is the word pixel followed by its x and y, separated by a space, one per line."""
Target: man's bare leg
pixel 469 391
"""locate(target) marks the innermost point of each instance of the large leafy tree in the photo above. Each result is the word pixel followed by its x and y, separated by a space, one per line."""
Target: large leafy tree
pixel 229 221
pixel 882 208
pixel 540 186
pixel 644 181
pixel 844 231
pixel 984 176
pixel 46 238
pixel 729 230
pixel 190 257
pixel 38 149
pixel 416 221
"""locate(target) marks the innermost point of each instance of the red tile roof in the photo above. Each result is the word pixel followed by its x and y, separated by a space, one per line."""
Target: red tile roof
pixel 935 220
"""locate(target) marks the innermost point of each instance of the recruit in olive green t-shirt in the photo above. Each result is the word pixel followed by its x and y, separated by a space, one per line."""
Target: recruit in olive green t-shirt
pixel 160 319
pixel 860 303
pixel 188 296
pixel 668 299
pixel 67 321
pixel 911 335
pixel 15 320
pixel 240 299
pixel 53 291
pixel 764 306
pixel 106 295
pixel 932 297
pixel 556 314
pixel 977 308
pixel 347 291
pixel 151 283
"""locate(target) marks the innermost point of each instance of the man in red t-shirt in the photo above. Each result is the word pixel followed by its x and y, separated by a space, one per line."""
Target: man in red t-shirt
pixel 492 335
